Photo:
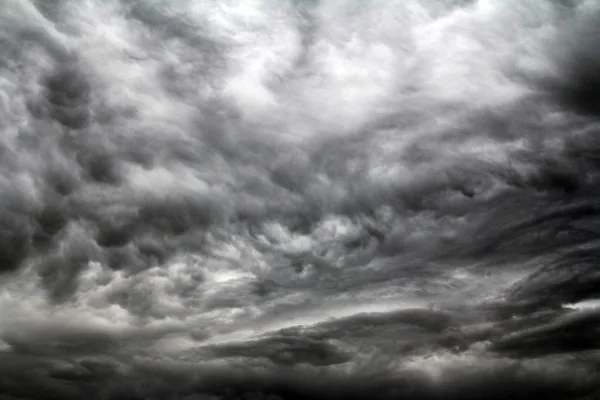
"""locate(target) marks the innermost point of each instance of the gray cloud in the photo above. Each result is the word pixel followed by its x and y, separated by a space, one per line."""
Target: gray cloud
pixel 298 200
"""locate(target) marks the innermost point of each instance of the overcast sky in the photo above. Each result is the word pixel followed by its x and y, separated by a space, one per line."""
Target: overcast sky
pixel 333 199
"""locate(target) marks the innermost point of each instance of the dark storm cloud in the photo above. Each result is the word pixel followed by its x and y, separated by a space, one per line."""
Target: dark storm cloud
pixel 168 186
pixel 68 97
pixel 283 350
pixel 143 380
pixel 580 78
pixel 570 333
pixel 98 160
pixel 54 339
pixel 250 374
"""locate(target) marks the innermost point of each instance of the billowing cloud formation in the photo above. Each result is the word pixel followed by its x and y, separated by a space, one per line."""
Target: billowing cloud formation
pixel 299 200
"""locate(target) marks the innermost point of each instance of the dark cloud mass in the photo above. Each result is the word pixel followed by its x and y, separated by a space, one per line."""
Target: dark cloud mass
pixel 336 199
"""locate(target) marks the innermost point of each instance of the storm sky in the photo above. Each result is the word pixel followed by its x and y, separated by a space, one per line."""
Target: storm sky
pixel 299 199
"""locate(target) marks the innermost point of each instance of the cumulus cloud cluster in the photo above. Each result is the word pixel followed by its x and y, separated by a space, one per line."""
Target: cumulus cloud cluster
pixel 299 200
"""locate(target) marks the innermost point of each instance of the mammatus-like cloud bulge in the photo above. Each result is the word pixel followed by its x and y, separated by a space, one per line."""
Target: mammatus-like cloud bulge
pixel 299 200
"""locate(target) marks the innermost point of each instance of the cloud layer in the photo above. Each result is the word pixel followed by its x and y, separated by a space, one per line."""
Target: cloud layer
pixel 299 200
